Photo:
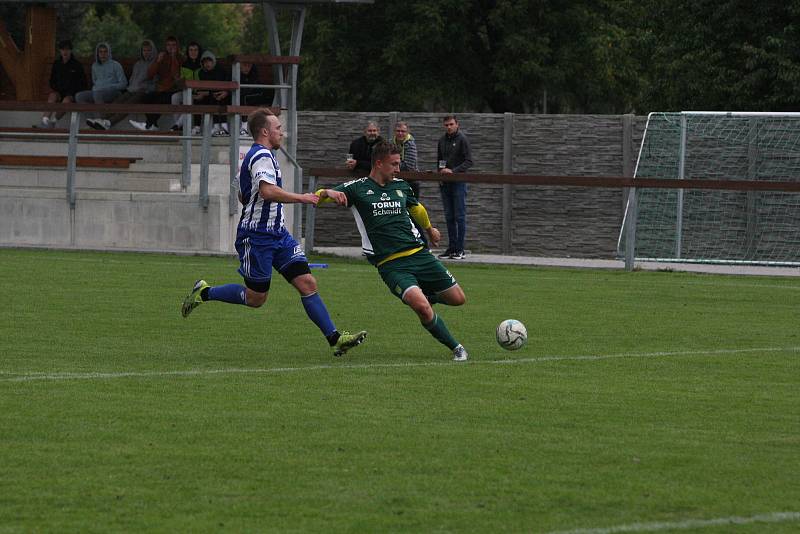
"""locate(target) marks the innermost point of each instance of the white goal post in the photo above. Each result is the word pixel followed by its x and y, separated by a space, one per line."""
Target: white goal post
pixel 716 226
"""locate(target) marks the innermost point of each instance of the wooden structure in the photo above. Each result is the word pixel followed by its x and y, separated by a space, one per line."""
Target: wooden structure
pixel 24 65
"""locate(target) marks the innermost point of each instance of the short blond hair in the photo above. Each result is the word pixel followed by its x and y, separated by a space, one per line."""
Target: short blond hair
pixel 258 120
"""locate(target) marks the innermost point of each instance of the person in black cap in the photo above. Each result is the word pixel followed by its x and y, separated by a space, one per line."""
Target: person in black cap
pixel 66 78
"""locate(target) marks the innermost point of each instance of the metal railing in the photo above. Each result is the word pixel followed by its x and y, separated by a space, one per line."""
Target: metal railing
pixel 76 111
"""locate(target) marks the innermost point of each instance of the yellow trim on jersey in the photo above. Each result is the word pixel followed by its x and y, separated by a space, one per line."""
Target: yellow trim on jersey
pixel 420 215
pixel 401 254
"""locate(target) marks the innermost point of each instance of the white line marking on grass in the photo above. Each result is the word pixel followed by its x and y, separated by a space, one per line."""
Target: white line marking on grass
pixel 686 524
pixel 28 377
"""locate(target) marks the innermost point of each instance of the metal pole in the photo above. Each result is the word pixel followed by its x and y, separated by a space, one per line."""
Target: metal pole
pixel 273 39
pixel 297 222
pixel 627 152
pixel 298 22
pixel 752 196
pixel 204 156
pixel 681 176
pixel 508 161
pixel 311 216
pixel 630 232
pixel 186 164
pixel 72 156
pixel 233 152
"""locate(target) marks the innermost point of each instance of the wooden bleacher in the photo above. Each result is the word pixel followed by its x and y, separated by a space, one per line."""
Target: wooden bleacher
pixel 102 162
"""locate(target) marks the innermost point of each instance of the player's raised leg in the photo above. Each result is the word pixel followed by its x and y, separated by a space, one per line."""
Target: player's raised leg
pixel 254 295
pixel 452 296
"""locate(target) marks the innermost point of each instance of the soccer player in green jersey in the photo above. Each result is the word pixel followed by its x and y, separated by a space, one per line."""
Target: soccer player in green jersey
pixel 383 206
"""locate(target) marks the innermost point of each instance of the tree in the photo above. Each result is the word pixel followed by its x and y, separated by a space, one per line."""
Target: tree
pixel 113 26
pixel 458 55
pixel 732 55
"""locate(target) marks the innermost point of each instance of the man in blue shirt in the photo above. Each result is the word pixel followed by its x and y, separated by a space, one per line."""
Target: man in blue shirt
pixel 263 242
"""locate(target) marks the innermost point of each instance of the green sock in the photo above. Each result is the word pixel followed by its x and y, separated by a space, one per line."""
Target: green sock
pixel 439 330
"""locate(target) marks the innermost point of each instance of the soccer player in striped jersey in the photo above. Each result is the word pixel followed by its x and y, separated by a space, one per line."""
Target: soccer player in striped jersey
pixel 263 242
pixel 383 206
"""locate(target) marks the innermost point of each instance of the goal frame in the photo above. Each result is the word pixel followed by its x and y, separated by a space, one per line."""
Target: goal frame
pixel 627 233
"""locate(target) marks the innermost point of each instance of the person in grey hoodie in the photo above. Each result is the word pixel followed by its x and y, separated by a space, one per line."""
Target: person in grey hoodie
pixel 108 78
pixel 139 86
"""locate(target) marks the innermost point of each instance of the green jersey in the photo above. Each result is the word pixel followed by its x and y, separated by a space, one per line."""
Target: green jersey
pixel 381 214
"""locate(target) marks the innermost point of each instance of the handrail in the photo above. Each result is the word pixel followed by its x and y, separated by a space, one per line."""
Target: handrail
pixel 619 182
pixel 210 84
pixel 74 112
pixel 578 181
pixel 265 59
pixel 125 108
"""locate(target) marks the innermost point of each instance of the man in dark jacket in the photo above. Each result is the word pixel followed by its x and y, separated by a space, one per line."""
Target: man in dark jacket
pixel 454 155
pixel 361 150
pixel 211 71
pixel 66 78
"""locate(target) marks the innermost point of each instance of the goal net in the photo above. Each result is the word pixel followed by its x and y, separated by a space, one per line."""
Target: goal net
pixel 720 226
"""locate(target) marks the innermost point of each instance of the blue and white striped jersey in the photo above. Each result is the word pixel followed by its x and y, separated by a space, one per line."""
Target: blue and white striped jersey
pixel 260 218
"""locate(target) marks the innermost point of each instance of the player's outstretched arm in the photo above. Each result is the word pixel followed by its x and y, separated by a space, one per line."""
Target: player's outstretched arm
pixel 273 193
pixel 331 195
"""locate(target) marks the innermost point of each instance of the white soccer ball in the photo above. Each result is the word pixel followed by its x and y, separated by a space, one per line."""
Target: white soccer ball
pixel 511 334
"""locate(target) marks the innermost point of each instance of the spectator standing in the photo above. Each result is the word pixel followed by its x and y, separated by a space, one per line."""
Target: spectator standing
pixel 361 149
pixel 66 79
pixel 454 156
pixel 405 143
pixel 213 72
pixel 407 146
pixel 190 70
pixel 139 87
pixel 108 78
pixel 166 70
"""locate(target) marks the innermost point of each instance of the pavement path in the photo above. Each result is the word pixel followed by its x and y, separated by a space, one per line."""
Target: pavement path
pixel 580 263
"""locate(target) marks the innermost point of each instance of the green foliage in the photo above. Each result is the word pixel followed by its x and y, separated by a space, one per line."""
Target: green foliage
pixel 217 27
pixel 587 56
pixel 470 55
pixel 112 25
pixel 732 55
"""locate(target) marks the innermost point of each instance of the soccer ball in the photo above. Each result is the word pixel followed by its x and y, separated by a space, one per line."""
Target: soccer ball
pixel 511 334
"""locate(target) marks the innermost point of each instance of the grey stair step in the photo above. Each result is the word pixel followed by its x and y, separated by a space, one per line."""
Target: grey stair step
pixel 104 179
pixel 150 152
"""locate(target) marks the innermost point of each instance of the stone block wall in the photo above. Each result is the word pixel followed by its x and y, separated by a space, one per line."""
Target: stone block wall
pixel 546 221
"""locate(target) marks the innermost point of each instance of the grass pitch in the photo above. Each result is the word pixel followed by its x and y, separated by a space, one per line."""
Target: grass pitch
pixel 641 399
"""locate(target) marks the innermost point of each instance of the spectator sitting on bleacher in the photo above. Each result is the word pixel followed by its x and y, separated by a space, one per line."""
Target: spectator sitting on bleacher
pixel 108 78
pixel 251 96
pixel 66 79
pixel 167 71
pixel 138 87
pixel 213 72
pixel 190 70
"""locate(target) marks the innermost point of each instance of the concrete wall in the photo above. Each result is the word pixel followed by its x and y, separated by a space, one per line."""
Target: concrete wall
pixel 115 220
pixel 545 221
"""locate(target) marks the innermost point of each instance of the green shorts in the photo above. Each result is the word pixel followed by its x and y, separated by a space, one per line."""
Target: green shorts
pixel 421 270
